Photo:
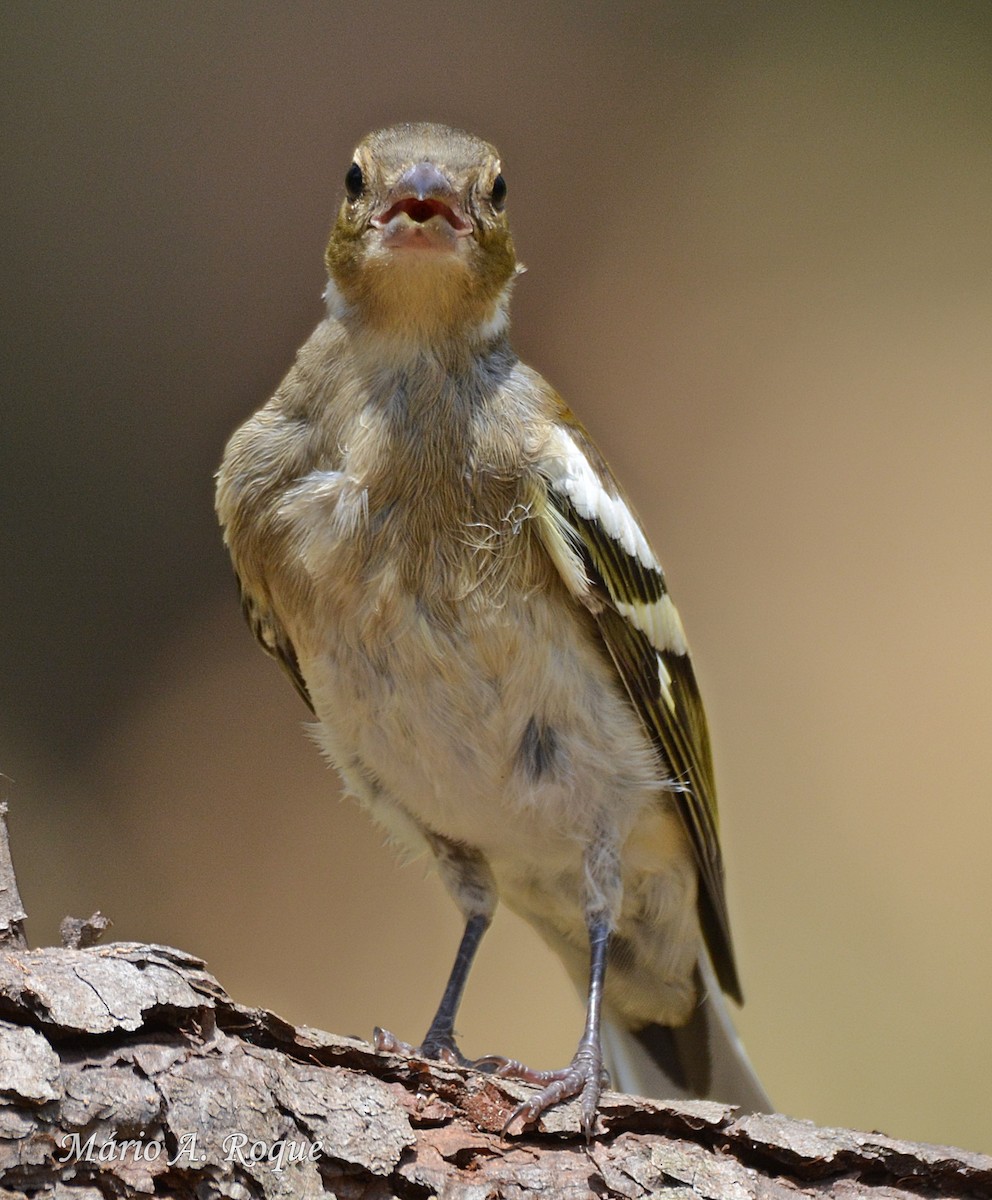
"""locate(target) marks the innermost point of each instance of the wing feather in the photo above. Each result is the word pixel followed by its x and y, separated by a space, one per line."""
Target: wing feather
pixel 274 640
pixel 625 590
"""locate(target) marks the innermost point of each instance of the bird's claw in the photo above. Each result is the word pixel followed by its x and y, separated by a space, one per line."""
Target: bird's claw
pixel 511 1068
pixel 385 1042
pixel 437 1048
pixel 585 1076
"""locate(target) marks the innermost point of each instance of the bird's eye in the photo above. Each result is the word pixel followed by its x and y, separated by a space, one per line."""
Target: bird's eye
pixel 498 196
pixel 354 181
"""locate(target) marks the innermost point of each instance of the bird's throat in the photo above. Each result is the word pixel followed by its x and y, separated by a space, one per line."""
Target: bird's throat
pixel 407 303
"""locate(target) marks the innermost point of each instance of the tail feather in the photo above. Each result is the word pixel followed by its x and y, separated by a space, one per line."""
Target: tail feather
pixel 702 1059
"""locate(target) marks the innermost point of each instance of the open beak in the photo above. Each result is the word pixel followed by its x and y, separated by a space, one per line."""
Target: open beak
pixel 422 211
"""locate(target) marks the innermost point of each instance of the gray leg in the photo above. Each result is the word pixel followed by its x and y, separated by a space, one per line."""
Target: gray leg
pixel 467 877
pixel 585 1075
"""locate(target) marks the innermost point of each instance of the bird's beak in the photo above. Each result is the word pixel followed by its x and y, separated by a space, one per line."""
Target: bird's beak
pixel 422 211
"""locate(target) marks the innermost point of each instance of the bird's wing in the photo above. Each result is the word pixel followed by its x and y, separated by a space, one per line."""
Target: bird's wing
pixel 600 549
pixel 273 639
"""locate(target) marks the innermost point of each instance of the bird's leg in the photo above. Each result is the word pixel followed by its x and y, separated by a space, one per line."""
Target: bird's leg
pixel 585 1075
pixel 467 876
pixel 439 1041
pixel 440 1038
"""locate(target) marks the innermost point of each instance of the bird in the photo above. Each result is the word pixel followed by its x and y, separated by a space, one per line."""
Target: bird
pixel 428 541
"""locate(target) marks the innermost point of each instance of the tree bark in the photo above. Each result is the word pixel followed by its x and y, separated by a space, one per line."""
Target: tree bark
pixel 126 1070
pixel 12 914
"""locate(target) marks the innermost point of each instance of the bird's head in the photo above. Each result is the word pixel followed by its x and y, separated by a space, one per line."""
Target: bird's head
pixel 421 248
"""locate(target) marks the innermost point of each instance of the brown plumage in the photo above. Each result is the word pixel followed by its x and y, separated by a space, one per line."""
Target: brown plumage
pixel 428 541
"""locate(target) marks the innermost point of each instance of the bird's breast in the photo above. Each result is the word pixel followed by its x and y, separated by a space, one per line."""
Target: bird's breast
pixel 454 676
pixel 429 504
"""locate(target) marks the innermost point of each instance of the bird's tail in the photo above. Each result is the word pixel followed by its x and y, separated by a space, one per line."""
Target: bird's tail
pixel 703 1058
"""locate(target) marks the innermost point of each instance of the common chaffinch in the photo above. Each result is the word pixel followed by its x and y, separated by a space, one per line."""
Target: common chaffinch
pixel 429 542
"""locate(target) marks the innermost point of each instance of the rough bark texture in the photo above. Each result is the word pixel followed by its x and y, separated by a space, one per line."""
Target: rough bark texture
pixel 12 914
pixel 126 1070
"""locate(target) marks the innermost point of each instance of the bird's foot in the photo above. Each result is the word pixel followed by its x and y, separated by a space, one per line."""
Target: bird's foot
pixel 441 1047
pixel 585 1076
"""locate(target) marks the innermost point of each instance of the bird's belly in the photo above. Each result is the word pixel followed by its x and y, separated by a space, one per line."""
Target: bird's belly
pixel 504 729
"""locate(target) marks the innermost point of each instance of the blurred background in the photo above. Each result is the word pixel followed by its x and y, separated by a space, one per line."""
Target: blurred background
pixel 758 242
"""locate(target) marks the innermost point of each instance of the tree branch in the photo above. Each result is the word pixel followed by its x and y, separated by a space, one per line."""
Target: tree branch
pixel 126 1070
